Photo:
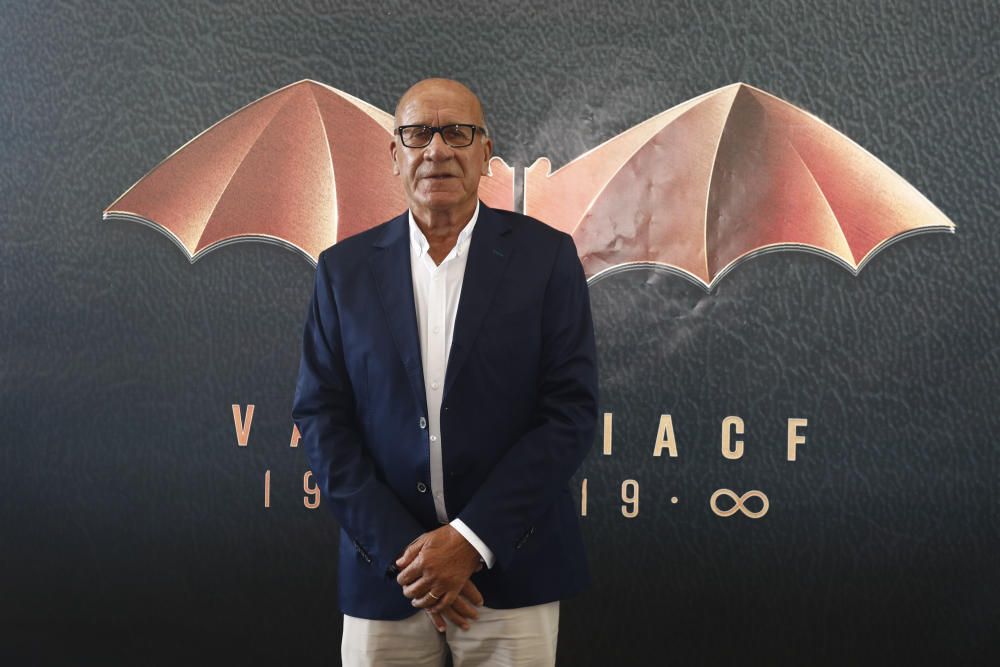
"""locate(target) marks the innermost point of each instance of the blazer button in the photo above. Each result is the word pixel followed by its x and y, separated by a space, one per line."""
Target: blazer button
pixel 421 487
pixel 423 423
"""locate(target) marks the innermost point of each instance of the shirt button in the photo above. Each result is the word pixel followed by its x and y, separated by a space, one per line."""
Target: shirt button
pixel 434 385
pixel 434 438
pixel 421 487
pixel 423 423
pixel 436 329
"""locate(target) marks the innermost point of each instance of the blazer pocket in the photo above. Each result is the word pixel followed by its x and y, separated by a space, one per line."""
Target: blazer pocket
pixel 524 538
pixel 365 556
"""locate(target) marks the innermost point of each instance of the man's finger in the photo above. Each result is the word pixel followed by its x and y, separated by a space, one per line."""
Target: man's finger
pixel 437 602
pixel 464 608
pixel 417 589
pixel 472 593
pixel 425 602
pixel 410 573
pixel 456 618
pixel 439 623
pixel 444 601
pixel 410 552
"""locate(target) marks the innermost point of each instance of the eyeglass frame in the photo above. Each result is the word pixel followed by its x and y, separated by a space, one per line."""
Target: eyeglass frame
pixel 439 129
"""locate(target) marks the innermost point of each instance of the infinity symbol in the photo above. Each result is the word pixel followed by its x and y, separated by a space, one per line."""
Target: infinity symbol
pixel 739 503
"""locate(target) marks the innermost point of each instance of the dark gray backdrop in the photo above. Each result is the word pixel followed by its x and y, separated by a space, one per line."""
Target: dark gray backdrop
pixel 133 528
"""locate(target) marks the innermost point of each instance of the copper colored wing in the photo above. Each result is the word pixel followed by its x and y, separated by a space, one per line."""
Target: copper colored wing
pixel 304 166
pixel 720 178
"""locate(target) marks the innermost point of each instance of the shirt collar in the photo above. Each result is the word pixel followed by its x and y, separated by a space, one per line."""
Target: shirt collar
pixel 420 246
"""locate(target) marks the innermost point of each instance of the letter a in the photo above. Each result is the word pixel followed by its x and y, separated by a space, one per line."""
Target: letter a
pixel 665 437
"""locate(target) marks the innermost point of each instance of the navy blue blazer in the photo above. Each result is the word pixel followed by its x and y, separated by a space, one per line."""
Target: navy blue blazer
pixel 518 412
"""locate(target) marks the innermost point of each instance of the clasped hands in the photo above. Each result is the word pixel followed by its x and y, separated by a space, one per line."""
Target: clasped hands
pixel 434 574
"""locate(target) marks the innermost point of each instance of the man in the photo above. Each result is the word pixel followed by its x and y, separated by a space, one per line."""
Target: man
pixel 447 393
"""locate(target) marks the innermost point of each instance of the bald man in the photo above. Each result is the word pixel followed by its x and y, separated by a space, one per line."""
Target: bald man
pixel 447 393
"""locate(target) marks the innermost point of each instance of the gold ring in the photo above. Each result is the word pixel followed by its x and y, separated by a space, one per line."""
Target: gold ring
pixel 431 593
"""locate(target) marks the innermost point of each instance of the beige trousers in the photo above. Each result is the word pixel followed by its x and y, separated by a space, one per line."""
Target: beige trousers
pixel 525 636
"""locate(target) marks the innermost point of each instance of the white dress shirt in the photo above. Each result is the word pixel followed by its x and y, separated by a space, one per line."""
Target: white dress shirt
pixel 436 291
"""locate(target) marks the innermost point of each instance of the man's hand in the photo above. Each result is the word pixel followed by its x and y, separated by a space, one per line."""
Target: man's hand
pixel 462 611
pixel 435 568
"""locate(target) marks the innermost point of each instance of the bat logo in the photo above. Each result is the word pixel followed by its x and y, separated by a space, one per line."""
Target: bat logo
pixel 717 179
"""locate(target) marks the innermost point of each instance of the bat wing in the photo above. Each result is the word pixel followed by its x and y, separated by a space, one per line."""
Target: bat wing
pixel 723 177
pixel 304 167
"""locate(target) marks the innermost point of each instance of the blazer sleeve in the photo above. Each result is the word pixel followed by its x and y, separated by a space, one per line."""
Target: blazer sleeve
pixel 537 468
pixel 324 411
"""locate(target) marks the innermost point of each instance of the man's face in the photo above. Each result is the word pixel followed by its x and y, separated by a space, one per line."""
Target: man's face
pixel 438 177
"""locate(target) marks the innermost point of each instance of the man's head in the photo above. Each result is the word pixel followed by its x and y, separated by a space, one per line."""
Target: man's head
pixel 439 178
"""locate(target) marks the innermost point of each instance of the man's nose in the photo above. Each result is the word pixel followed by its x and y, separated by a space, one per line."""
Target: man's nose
pixel 438 149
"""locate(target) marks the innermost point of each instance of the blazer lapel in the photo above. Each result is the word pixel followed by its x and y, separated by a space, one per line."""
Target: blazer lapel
pixel 489 252
pixel 390 266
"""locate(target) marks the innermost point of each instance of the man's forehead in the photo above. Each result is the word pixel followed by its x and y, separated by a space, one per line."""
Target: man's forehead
pixel 447 98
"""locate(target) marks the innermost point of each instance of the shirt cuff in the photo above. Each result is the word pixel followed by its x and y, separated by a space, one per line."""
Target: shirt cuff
pixel 474 540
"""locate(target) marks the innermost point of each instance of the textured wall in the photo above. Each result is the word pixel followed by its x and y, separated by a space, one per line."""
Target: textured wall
pixel 133 527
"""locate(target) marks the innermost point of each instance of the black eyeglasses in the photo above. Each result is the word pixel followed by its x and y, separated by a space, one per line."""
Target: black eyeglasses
pixel 456 136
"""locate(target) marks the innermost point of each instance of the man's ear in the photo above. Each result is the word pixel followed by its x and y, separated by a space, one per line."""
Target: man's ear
pixel 488 154
pixel 392 153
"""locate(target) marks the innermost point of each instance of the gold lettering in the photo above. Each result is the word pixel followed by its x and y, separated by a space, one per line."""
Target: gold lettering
pixel 739 503
pixel 296 436
pixel 267 488
pixel 665 437
pixel 583 497
pixel 311 490
pixel 794 437
pixel 630 496
pixel 242 425
pixel 607 434
pixel 732 449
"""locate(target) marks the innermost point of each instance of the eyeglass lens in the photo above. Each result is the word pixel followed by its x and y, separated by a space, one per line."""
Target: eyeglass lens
pixel 456 136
